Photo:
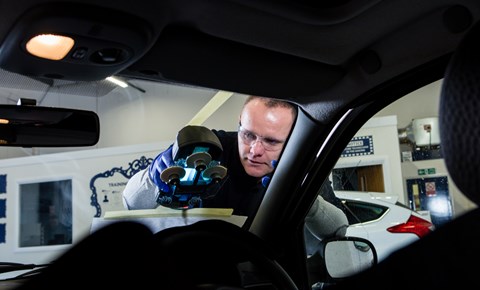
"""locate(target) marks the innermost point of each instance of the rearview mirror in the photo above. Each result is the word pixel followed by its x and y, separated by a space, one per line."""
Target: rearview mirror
pixel 35 126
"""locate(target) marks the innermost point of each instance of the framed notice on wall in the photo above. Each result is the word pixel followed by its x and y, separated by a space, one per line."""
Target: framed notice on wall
pixel 358 146
pixel 45 213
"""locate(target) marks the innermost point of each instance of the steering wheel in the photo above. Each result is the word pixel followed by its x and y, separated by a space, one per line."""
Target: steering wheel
pixel 209 254
pixel 215 254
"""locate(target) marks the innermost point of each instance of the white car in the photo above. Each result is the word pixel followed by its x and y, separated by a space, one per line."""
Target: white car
pixel 383 220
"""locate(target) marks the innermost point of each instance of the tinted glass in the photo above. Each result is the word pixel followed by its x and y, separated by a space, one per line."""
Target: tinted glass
pixel 361 212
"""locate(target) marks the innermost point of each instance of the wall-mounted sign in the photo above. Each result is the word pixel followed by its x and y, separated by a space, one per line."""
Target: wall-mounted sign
pixel 45 213
pixel 358 146
pixel 107 187
pixel 3 183
pixel 426 171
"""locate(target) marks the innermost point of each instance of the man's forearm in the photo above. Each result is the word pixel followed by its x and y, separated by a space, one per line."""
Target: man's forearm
pixel 140 192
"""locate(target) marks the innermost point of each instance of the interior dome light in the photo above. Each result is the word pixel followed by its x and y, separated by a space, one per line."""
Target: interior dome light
pixel 50 46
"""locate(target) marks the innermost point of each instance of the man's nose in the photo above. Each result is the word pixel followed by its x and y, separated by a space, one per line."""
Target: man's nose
pixel 256 147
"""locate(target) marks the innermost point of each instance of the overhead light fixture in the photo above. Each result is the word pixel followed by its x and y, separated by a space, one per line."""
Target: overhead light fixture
pixel 50 46
pixel 74 41
pixel 117 82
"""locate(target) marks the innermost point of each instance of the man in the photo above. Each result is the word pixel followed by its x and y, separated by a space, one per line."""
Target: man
pixel 264 126
pixel 250 156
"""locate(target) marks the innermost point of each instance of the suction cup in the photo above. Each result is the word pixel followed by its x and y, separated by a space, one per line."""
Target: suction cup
pixel 216 173
pixel 198 160
pixel 172 174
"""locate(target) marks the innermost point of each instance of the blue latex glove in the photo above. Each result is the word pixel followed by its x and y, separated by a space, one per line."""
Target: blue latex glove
pixel 161 162
pixel 266 178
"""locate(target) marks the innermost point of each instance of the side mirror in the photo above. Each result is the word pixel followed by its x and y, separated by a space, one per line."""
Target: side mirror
pixel 347 256
pixel 35 126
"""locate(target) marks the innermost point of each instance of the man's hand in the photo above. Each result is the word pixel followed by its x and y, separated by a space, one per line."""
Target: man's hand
pixel 161 162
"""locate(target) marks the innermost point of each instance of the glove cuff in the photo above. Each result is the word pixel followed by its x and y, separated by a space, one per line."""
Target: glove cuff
pixel 266 178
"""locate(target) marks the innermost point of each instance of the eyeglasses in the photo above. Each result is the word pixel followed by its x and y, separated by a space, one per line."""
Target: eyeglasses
pixel 249 138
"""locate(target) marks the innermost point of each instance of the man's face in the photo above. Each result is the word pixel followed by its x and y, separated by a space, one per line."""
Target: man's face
pixel 262 135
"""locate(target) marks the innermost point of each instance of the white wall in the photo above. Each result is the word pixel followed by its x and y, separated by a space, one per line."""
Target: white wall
pixel 386 151
pixel 421 103
pixel 159 114
pixel 82 167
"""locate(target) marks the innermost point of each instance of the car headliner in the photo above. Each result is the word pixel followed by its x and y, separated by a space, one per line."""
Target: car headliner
pixel 319 54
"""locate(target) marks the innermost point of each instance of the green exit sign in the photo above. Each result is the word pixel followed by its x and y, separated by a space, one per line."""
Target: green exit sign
pixel 426 171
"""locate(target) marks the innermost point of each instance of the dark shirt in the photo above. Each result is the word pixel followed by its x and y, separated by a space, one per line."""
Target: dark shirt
pixel 238 190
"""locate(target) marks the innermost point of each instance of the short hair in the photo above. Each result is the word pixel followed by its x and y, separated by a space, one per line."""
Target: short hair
pixel 273 103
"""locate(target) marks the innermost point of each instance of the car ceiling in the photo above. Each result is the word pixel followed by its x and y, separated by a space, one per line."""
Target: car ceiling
pixel 319 54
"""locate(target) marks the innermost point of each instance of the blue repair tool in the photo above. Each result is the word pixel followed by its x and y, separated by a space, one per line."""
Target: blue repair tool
pixel 196 173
